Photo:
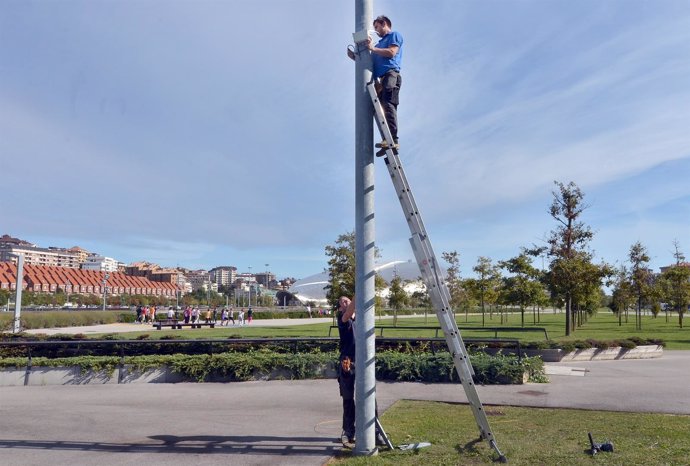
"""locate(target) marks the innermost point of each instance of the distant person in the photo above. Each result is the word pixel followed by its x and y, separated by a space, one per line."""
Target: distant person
pixel 240 317
pixel 215 314
pixel 231 316
pixel 208 316
pixel 250 315
pixel 171 313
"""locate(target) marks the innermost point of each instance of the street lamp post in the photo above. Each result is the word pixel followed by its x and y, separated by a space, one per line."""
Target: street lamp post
pixel 105 287
pixel 250 286
pixel 16 328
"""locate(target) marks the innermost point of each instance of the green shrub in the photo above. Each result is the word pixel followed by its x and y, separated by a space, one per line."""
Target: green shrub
pixel 580 344
pixel 627 344
pixel 390 365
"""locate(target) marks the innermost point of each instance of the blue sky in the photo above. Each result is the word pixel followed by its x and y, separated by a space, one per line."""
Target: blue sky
pixel 222 133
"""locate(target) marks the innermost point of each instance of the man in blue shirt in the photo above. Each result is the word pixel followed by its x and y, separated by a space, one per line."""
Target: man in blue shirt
pixel 387 58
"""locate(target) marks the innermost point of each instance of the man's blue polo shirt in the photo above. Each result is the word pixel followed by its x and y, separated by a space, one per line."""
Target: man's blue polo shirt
pixel 383 64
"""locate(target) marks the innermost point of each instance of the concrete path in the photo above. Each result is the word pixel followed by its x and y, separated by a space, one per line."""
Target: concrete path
pixel 278 422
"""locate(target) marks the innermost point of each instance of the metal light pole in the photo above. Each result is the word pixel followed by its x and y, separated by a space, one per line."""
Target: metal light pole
pixel 365 382
pixel 105 288
pixel 17 327
pixel 249 280
pixel 268 283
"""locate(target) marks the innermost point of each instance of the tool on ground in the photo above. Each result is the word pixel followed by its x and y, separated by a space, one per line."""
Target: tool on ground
pixel 431 273
pixel 597 447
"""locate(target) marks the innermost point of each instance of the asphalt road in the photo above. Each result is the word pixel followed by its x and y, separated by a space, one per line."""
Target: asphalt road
pixel 278 422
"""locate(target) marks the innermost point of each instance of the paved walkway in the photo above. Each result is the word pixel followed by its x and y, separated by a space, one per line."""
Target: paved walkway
pixel 132 327
pixel 279 422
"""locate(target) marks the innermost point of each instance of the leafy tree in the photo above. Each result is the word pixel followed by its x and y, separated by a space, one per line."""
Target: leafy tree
pixel 622 294
pixel 453 280
pixel 4 297
pixel 640 278
pixel 421 298
pixel 571 272
pixel 398 297
pixel 522 286
pixel 676 285
pixel 341 270
pixel 487 283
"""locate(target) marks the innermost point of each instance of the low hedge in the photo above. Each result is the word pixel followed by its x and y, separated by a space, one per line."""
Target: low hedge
pixel 390 365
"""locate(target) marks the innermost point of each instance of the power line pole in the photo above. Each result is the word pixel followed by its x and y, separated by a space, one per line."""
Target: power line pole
pixel 365 382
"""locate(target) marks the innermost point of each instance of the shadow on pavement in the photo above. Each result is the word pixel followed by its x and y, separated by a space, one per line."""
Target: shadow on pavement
pixel 197 444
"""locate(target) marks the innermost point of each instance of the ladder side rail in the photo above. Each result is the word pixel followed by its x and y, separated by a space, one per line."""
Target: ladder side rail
pixel 440 296
pixel 460 357
pixel 380 116
pixel 433 277
pixel 405 196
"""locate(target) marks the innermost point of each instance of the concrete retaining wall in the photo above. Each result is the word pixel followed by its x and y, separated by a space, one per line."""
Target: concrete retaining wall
pixel 126 374
pixel 596 354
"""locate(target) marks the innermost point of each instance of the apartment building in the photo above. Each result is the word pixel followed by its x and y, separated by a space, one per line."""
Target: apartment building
pixel 223 275
pixel 101 263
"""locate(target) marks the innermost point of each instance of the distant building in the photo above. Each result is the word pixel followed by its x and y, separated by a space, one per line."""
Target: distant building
pixel 267 279
pixel 200 280
pixel 82 254
pixel 48 279
pixel 668 267
pixel 101 263
pixel 245 278
pixel 34 255
pixel 223 276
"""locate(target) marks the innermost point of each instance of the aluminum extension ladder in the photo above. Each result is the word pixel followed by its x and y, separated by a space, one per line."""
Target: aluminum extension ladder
pixel 431 274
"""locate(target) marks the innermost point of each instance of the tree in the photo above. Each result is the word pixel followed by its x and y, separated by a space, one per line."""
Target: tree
pixel 676 284
pixel 523 286
pixel 622 294
pixel 453 280
pixel 398 297
pixel 341 268
pixel 640 278
pixel 571 262
pixel 487 282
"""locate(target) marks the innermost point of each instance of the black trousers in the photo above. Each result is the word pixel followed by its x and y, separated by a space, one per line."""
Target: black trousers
pixel 390 98
pixel 346 383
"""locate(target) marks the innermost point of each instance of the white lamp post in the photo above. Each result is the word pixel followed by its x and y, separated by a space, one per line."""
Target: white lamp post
pixel 105 288
pixel 16 328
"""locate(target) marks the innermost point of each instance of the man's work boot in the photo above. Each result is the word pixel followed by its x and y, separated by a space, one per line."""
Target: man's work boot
pixel 384 145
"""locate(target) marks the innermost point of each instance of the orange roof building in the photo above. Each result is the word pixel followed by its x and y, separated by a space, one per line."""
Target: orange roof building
pixel 47 279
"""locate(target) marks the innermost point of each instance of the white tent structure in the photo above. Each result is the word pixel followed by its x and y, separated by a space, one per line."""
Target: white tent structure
pixel 312 288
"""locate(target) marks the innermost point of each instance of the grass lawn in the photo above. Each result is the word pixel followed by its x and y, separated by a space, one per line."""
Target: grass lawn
pixel 529 436
pixel 603 326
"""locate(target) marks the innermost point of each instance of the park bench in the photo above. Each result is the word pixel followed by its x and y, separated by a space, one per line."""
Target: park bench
pixel 179 324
